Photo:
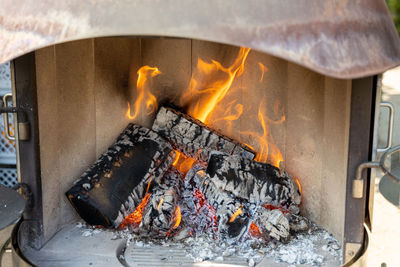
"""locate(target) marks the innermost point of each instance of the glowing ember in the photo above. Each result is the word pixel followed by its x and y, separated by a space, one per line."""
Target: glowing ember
pixel 237 213
pixel 145 99
pixel 203 202
pixel 135 217
pixel 182 162
pixel 271 207
pixel 254 231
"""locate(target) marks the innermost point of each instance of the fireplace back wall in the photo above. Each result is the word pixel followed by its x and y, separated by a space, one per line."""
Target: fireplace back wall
pixel 83 88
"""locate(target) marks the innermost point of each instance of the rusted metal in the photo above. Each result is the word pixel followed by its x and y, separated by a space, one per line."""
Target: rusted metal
pixel 343 39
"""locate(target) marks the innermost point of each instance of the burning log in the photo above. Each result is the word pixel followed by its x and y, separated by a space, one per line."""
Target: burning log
pixel 253 181
pixel 193 138
pixel 233 214
pixel 115 184
pixel 160 215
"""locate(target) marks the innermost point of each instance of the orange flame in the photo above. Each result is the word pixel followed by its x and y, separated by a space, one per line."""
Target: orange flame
pixel 160 203
pixel 177 217
pixel 182 162
pixel 145 99
pixel 254 231
pixel 266 149
pixel 298 183
pixel 136 217
pixel 203 96
pixel 237 213
pixel 263 70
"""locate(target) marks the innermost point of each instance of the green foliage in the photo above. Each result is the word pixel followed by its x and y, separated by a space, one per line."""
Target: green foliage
pixel 394 7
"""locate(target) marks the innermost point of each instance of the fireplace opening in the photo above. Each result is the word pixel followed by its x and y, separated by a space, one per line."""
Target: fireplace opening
pixel 247 148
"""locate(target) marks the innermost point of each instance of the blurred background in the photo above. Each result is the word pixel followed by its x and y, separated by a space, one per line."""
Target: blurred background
pixel 385 239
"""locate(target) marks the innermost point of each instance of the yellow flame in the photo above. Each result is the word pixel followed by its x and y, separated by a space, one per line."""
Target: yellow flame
pixel 145 99
pixel 298 183
pixel 267 151
pixel 136 217
pixel 160 203
pixel 237 213
pixel 202 98
pixel 177 217
pixel 263 70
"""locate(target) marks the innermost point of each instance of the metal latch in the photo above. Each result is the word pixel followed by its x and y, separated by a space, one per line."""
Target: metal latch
pixel 358 182
pixel 23 127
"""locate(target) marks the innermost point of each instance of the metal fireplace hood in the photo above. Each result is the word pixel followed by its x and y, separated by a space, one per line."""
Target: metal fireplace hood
pixel 342 39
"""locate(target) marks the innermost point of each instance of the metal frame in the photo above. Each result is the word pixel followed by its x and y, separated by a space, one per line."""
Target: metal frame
pixel 362 118
pixel 28 154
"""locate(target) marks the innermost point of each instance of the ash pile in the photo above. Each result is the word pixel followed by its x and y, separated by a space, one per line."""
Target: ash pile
pixel 182 179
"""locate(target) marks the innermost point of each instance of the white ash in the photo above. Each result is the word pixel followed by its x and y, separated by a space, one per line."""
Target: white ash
pixel 305 248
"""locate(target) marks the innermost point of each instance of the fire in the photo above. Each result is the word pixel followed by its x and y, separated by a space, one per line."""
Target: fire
pixel 267 151
pixel 160 203
pixel 203 95
pixel 254 231
pixel 182 162
pixel 177 217
pixel 237 213
pixel 135 217
pixel 298 183
pixel 145 99
pixel 263 70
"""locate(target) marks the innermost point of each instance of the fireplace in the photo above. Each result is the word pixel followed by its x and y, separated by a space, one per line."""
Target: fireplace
pixel 75 91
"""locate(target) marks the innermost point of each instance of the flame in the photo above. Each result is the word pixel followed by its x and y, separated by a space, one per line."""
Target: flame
pixel 238 212
pixel 267 150
pixel 203 95
pixel 178 155
pixel 177 217
pixel 182 162
pixel 160 203
pixel 136 217
pixel 145 99
pixel 254 231
pixel 263 70
pixel 298 183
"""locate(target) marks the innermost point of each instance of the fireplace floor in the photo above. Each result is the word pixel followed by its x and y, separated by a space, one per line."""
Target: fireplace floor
pixel 78 245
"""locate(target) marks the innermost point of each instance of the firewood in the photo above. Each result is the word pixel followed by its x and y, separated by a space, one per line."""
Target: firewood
pixel 158 217
pixel 194 138
pixel 115 184
pixel 253 181
pixel 272 223
pixel 225 204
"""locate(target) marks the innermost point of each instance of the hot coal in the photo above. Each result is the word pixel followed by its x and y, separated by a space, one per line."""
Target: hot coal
pixel 115 184
pixel 193 138
pixel 253 181
pixel 226 205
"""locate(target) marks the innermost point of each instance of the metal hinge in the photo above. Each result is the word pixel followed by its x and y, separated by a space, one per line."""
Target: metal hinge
pixel 23 127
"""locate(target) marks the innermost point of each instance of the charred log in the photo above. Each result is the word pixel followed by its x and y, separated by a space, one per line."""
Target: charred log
pixel 233 214
pixel 160 212
pixel 272 223
pixel 193 138
pixel 115 184
pixel 253 181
